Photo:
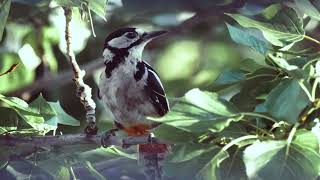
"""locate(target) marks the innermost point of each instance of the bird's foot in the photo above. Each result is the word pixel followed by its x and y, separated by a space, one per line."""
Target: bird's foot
pixel 91 130
pixel 106 137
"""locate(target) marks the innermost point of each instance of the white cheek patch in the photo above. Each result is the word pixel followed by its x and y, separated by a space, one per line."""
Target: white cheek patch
pixel 120 42
pixel 107 54
pixel 139 31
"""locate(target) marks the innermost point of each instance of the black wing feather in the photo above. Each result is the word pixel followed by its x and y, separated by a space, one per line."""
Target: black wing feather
pixel 156 92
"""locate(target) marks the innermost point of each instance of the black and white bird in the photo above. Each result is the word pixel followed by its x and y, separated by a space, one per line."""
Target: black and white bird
pixel 129 88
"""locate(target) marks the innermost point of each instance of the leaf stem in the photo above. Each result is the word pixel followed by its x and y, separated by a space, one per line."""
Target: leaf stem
pixel 91 22
pixel 311 39
pixel 290 137
pixel 236 141
pixel 254 114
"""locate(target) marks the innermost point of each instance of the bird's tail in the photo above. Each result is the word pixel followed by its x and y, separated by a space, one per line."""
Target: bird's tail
pixel 151 157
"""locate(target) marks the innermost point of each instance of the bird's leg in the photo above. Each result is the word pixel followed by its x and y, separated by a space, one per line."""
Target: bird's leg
pixel 107 136
pixel 91 129
pixel 150 138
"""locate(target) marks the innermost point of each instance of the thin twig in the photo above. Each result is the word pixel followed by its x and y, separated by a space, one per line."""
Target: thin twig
pixel 311 39
pixel 83 90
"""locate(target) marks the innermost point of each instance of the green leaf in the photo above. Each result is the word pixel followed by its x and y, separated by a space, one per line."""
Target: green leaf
pixel 188 151
pixel 61 116
pixel 13 102
pixel 258 84
pixel 223 167
pixel 286 101
pixel 62 173
pixel 307 8
pixel 9 119
pixel 4 12
pixel 94 172
pixel 29 115
pixel 188 168
pixel 251 65
pixel 269 160
pixel 232 168
pixel 248 38
pixel 179 135
pixel 284 28
pixel 41 107
pixel 99 7
pixel 229 76
pixel 271 11
pixel 199 112
pixel 70 3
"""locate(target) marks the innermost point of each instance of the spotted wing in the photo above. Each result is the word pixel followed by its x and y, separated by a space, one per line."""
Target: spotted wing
pixel 156 92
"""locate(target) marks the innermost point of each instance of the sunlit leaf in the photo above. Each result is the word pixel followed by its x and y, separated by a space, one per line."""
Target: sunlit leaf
pixel 63 173
pixel 271 11
pixel 4 12
pixel 99 7
pixel 269 160
pixel 29 115
pixel 41 107
pixel 199 112
pixel 284 28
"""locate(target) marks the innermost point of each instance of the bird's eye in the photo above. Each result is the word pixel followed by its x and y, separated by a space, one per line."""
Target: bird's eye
pixel 131 35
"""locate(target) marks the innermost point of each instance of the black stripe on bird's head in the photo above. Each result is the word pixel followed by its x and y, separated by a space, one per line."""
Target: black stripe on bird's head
pixel 131 40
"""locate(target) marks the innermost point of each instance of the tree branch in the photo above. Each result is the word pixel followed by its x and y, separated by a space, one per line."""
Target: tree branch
pixel 62 78
pixel 83 90
pixel 105 140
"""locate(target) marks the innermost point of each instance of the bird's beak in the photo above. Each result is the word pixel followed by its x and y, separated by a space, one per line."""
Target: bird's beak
pixel 150 35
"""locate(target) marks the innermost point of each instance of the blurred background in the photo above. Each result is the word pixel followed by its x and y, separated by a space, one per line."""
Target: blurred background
pixel 193 53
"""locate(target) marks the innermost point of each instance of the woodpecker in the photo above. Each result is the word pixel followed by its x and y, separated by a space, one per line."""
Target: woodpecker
pixel 129 87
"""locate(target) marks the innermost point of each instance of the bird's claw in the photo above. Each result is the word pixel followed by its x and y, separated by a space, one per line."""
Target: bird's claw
pixel 150 138
pixel 106 137
pixel 91 130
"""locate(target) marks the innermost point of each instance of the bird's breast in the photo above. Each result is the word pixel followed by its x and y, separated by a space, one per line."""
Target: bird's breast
pixel 124 97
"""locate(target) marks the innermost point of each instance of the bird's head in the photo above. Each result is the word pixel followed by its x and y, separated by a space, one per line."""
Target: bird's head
pixel 128 41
